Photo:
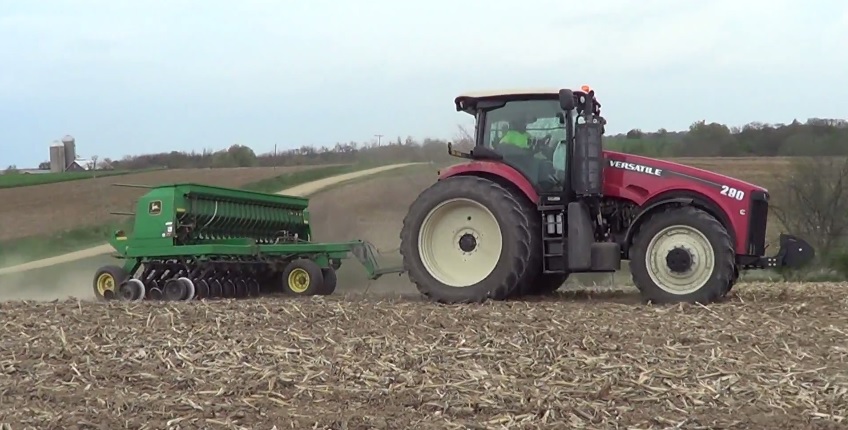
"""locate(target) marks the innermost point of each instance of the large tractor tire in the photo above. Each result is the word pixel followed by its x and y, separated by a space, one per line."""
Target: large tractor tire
pixel 733 280
pixel 546 284
pixel 465 240
pixel 682 255
pixel 534 282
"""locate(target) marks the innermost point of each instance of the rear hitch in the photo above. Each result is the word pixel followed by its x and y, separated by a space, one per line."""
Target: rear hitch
pixel 366 253
pixel 793 253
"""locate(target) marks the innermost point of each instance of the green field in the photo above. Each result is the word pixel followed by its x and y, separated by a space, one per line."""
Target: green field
pixel 14 180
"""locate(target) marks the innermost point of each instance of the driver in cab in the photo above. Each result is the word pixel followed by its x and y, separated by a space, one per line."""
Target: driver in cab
pixel 517 135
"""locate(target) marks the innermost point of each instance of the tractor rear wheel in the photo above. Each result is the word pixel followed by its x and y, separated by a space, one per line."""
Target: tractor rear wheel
pixel 547 284
pixel 533 282
pixel 682 255
pixel 466 239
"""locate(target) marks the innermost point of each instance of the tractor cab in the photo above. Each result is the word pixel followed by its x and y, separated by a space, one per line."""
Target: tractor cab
pixel 533 131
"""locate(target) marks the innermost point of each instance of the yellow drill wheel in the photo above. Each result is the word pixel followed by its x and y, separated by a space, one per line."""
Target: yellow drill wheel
pixel 302 277
pixel 106 282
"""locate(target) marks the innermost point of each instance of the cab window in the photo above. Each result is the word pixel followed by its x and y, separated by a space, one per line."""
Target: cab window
pixel 542 112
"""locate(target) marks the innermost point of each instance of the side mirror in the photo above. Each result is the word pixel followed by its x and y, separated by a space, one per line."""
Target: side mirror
pixel 566 100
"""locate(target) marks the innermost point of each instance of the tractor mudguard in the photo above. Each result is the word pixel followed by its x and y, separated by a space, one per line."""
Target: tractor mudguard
pixel 683 201
pixel 498 171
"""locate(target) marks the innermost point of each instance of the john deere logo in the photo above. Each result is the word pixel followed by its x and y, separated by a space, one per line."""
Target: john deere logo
pixel 155 207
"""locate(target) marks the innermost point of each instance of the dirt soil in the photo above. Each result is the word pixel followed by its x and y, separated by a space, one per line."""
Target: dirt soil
pixel 372 209
pixel 773 357
pixel 43 209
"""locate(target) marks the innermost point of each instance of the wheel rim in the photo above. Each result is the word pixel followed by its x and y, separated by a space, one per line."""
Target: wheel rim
pixel 298 280
pixel 460 242
pixel 228 288
pixel 105 282
pixel 201 288
pixel 671 243
pixel 216 289
pixel 190 289
pixel 173 290
pixel 133 290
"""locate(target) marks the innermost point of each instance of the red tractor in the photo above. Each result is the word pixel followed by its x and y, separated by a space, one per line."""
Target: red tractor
pixel 541 199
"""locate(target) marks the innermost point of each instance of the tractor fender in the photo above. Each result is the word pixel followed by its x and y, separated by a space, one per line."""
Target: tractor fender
pixel 701 202
pixel 648 211
pixel 498 172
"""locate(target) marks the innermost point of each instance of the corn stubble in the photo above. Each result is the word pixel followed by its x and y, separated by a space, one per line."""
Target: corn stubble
pixel 773 356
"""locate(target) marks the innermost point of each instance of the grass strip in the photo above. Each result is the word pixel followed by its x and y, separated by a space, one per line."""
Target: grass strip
pixel 16 180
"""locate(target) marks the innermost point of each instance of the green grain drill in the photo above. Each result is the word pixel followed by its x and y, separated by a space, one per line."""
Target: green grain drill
pixel 194 241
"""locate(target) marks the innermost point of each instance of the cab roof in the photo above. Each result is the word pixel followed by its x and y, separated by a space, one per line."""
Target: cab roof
pixel 546 91
pixel 467 102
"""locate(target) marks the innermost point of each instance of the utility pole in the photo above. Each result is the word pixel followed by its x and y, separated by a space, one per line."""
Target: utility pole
pixel 379 138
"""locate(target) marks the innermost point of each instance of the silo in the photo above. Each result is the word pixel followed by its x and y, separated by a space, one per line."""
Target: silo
pixel 57 157
pixel 70 150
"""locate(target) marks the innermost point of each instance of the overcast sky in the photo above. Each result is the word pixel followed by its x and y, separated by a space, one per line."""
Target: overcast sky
pixel 128 77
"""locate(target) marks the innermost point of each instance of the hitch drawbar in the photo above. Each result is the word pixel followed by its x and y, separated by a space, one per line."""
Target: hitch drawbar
pixel 794 252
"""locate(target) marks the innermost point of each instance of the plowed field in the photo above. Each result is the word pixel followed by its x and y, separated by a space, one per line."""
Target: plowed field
pixel 772 357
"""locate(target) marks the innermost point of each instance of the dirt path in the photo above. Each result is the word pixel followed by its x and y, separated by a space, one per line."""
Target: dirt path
pixel 298 190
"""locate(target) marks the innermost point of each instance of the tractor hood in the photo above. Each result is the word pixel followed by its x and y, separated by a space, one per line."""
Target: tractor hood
pixel 659 167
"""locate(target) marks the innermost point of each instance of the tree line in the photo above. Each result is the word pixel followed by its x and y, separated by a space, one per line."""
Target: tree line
pixel 815 137
pixel 244 156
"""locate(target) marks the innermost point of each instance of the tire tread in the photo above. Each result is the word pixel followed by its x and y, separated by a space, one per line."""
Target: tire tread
pixel 507 208
pixel 716 287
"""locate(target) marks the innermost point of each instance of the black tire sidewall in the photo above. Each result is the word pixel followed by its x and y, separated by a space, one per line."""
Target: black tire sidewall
pixel 503 280
pixel 171 287
pixel 328 286
pixel 718 238
pixel 316 278
pixel 118 274
pixel 547 284
pixel 529 283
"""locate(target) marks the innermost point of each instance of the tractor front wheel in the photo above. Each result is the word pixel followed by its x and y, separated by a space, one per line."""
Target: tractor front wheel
pixel 682 255
pixel 466 239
